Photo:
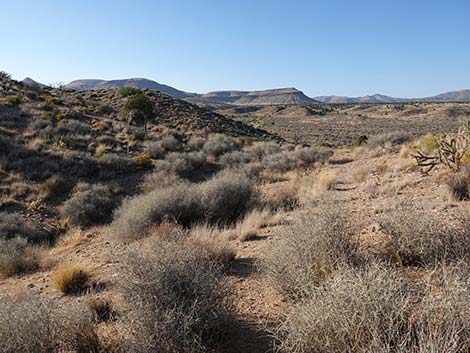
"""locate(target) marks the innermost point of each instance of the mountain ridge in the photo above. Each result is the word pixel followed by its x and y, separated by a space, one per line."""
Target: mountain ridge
pixel 289 95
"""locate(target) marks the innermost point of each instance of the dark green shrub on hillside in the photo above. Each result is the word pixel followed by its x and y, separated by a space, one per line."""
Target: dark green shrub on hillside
pixel 5 76
pixel 128 91
pixel 12 101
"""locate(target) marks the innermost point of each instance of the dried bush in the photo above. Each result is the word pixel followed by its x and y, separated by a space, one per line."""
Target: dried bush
pixel 419 236
pixel 310 250
pixel 389 139
pixel 182 163
pixel 196 143
pixel 311 155
pixel 34 326
pixel 53 187
pixel 13 225
pixel 17 257
pixel 221 199
pixel 71 279
pixel 212 241
pixel 353 311
pixel 235 158
pixel 176 299
pixel 73 127
pixel 159 180
pixel 219 144
pixel 156 150
pixel 281 162
pixel 459 184
pixel 117 163
pixel 170 143
pixel 260 150
pixel 91 206
pixel 250 226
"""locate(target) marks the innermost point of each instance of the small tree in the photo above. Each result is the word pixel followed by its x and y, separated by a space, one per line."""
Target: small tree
pixel 142 105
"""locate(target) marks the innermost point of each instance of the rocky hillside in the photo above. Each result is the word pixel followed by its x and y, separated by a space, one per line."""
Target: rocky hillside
pixel 141 83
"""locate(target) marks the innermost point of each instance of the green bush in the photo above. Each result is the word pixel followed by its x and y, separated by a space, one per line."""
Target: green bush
pixel 12 101
pixel 128 91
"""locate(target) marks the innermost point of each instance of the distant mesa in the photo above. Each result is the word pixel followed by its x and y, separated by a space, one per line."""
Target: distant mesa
pixel 454 96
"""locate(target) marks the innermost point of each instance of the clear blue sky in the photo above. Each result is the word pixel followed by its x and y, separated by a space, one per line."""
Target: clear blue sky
pixel 403 48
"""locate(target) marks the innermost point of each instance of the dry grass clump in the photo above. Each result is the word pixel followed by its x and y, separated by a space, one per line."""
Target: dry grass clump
pixel 235 158
pixel 459 184
pixel 220 200
pixel 176 298
pixel 310 250
pixel 312 155
pixel 71 279
pixel 17 257
pixel 90 206
pixel 250 226
pixel 102 309
pixel 34 326
pixel 281 162
pixel 53 187
pixel 360 175
pixel 419 236
pixel 327 180
pixel 213 241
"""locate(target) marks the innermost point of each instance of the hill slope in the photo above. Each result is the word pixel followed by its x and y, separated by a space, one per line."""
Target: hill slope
pixel 265 97
pixel 142 83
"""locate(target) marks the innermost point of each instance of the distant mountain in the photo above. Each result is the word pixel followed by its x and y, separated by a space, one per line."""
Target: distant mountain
pixel 455 96
pixel 270 96
pixel 29 81
pixel 143 83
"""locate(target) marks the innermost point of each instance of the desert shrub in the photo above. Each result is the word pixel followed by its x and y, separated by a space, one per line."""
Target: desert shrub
pixel 227 196
pixel 361 140
pixel 196 143
pixel 354 311
pixel 117 163
pixel 128 91
pixel 311 155
pixel 219 200
pixel 428 144
pixel 260 150
pixel 92 206
pixel 34 326
pixel 250 226
pixel 105 109
pixel 159 180
pixel 182 163
pixel 220 144
pixel 71 279
pixel 176 299
pixel 73 127
pixel 170 143
pixel 390 138
pixel 17 257
pixel 310 250
pixel 459 184
pixel 212 241
pixel 235 158
pixel 53 187
pixel 281 162
pixel 102 309
pixel 12 101
pixel 419 236
pixel 156 150
pixel 13 225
